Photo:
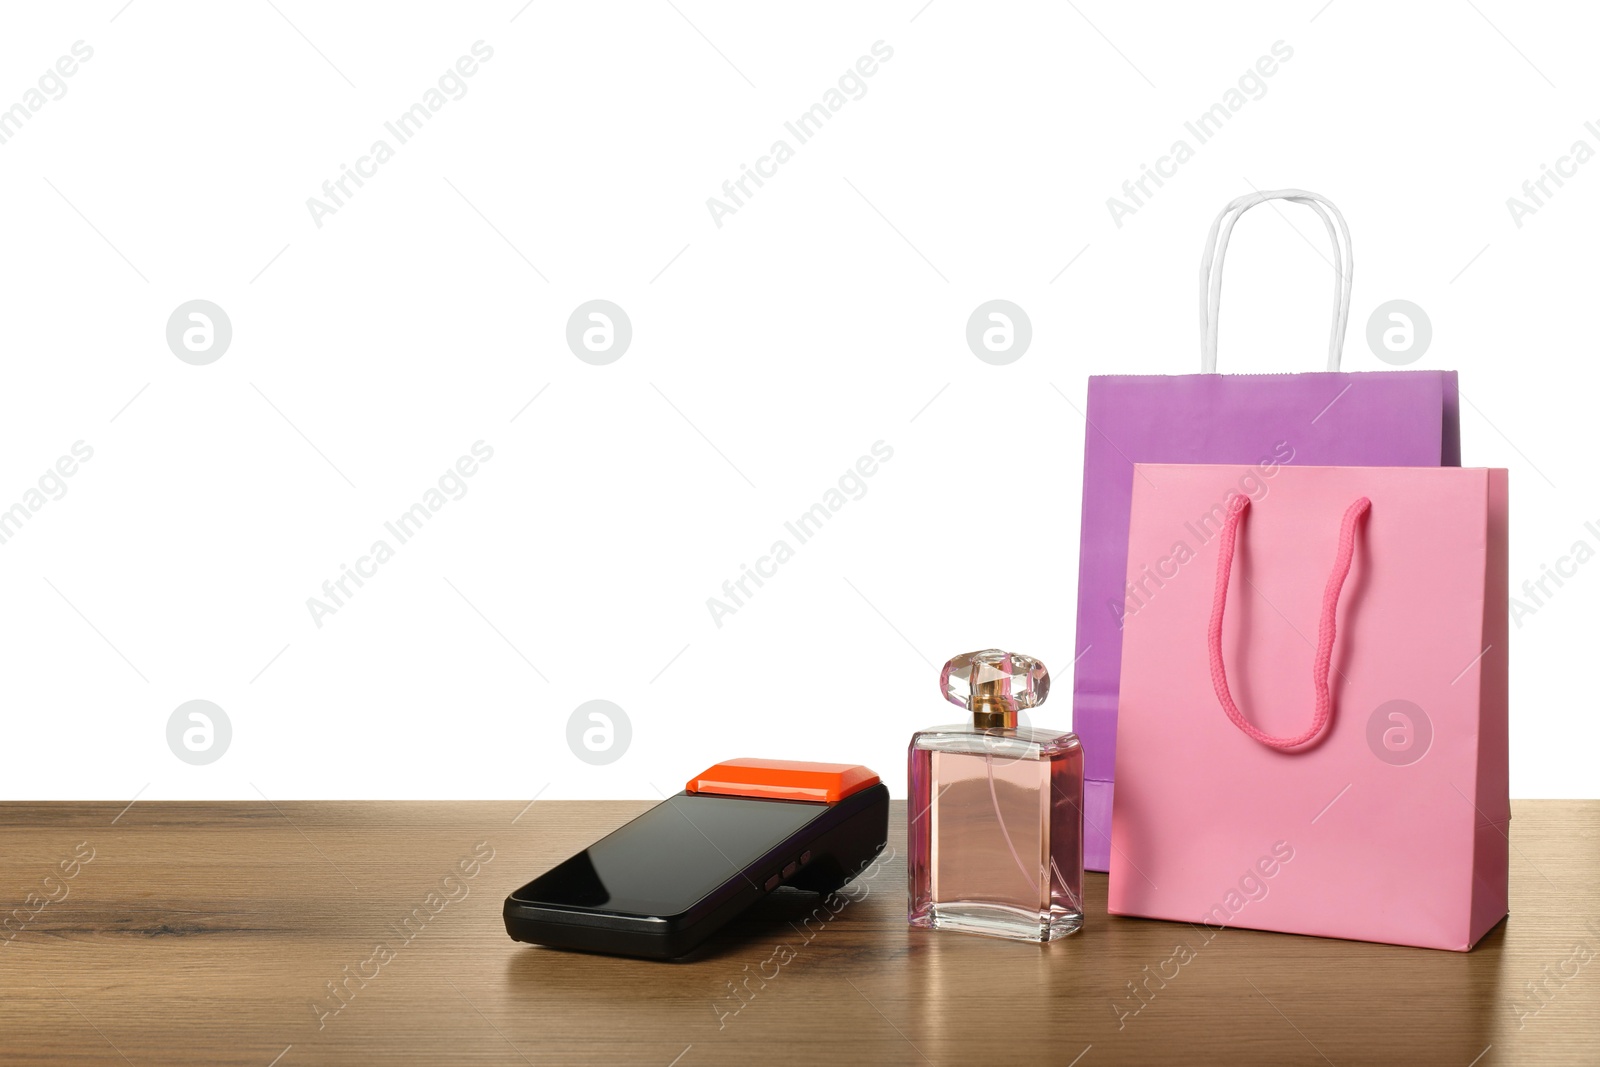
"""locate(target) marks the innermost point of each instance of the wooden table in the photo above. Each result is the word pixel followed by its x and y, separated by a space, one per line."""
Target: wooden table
pixel 209 933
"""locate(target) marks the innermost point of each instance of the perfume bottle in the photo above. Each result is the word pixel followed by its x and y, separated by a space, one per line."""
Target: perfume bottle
pixel 996 813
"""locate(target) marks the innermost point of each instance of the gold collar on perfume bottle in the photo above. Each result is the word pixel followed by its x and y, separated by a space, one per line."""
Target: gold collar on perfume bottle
pixel 994 720
pixel 993 706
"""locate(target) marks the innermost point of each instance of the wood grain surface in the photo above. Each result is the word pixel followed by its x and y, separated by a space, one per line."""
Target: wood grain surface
pixel 211 933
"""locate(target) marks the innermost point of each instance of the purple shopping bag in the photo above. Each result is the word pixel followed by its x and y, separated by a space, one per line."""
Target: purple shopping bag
pixel 1330 418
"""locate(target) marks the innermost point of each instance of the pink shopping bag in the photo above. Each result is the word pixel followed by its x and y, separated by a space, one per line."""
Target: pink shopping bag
pixel 1311 732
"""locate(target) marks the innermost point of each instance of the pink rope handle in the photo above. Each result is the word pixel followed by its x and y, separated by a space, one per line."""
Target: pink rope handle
pixel 1325 625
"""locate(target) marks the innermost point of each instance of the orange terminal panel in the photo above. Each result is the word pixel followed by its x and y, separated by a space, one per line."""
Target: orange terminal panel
pixel 780 779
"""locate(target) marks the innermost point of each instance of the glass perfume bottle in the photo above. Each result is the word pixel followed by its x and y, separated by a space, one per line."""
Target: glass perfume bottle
pixel 996 812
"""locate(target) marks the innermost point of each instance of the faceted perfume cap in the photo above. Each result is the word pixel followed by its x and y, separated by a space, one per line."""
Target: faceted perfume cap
pixel 993 682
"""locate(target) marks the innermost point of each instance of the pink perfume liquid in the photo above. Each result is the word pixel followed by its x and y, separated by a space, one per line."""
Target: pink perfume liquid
pixel 996 832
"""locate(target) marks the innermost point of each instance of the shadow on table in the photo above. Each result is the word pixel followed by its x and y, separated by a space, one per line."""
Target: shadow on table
pixel 1239 996
pixel 785 915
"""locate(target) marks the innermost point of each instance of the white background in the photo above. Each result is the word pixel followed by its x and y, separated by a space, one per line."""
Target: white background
pixel 768 354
